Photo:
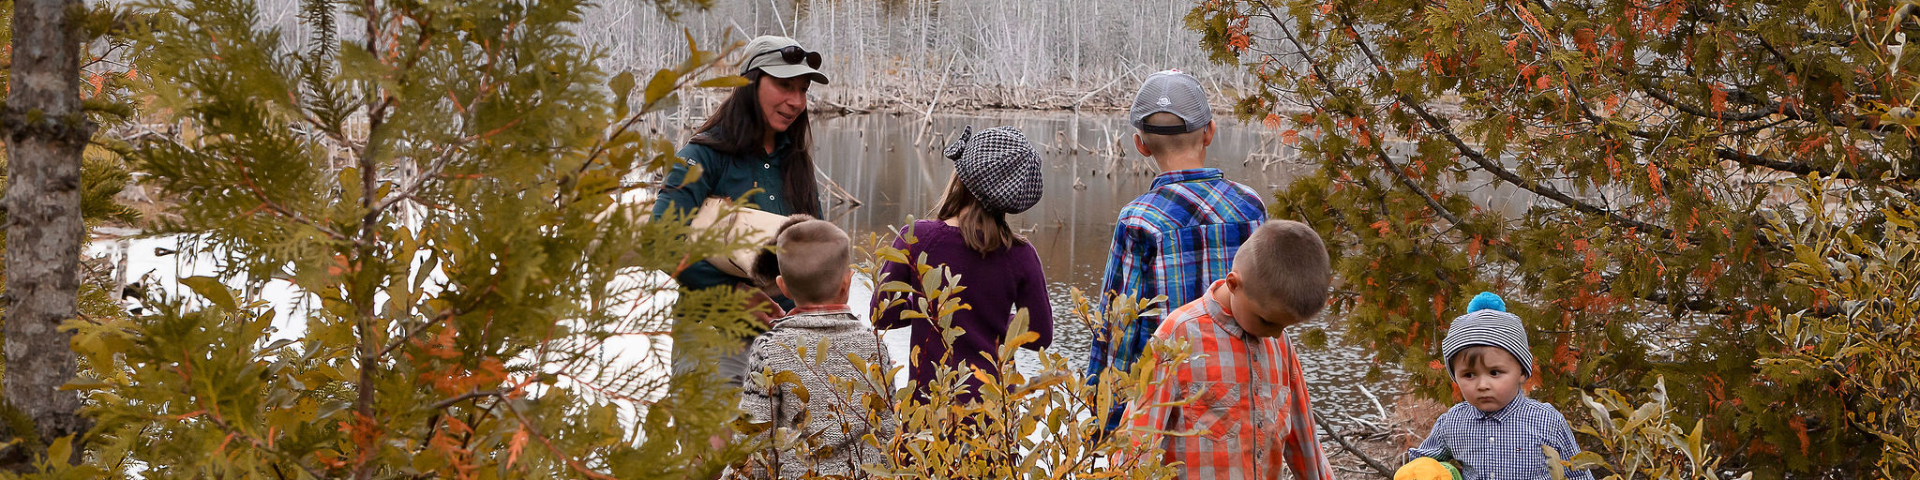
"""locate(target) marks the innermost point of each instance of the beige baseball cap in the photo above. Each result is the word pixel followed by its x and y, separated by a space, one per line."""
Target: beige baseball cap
pixel 782 57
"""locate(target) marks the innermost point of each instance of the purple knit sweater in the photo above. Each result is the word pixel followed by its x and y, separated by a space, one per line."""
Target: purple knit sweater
pixel 996 283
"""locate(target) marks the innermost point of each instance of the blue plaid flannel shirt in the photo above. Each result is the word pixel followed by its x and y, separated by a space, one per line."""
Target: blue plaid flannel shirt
pixel 1503 445
pixel 1175 240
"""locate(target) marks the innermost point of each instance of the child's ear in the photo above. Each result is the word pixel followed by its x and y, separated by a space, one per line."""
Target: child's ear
pixel 1141 146
pixel 781 281
pixel 1206 139
pixel 1233 282
pixel 846 286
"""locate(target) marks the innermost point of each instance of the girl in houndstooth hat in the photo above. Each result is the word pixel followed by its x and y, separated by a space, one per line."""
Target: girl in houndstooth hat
pixel 996 173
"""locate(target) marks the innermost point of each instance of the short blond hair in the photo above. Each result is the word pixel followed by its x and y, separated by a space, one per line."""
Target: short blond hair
pixel 1165 144
pixel 814 256
pixel 1285 264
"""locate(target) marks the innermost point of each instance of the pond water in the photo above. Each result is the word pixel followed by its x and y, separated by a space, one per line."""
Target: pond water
pixel 893 165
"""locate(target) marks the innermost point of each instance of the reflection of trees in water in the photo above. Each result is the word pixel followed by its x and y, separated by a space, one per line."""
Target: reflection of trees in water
pixel 874 159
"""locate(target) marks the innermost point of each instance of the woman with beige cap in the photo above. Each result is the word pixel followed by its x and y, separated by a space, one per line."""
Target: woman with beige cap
pixel 754 146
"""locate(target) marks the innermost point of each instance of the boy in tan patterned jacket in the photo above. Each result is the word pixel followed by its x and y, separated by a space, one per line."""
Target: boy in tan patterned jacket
pixel 819 412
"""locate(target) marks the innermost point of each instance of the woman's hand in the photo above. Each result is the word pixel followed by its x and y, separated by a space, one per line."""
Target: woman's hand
pixel 764 309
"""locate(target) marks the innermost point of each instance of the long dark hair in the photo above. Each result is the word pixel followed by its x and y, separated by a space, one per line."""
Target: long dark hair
pixel 985 231
pixel 736 129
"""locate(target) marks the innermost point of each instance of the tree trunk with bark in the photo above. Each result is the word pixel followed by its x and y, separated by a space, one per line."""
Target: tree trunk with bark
pixel 45 131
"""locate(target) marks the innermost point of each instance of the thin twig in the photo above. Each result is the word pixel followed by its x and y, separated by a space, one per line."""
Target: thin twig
pixel 1376 402
pixel 406 191
pixel 464 397
pixel 571 462
pixel 1332 432
pixel 411 332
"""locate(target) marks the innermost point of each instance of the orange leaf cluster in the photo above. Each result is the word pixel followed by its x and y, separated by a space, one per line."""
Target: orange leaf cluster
pixel 1800 430
pixel 365 433
pixel 448 442
pixel 455 379
pixel 1564 358
pixel 1587 41
pixel 1660 20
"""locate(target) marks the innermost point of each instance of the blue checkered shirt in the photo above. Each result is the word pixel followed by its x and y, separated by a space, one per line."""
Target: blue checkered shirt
pixel 1175 240
pixel 1503 445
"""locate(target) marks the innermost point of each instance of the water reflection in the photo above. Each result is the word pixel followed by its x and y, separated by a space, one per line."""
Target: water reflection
pixel 893 165
pixel 874 157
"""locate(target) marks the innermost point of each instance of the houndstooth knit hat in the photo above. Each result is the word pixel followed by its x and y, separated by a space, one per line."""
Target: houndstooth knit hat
pixel 997 166
pixel 1488 323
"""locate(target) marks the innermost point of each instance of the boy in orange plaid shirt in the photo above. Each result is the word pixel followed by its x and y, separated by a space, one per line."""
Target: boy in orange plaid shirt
pixel 1250 412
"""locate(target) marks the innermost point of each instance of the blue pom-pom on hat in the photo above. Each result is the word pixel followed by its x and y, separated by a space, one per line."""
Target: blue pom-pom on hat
pixel 1486 301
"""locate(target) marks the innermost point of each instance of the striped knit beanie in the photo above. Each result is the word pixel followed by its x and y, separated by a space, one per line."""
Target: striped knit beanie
pixel 1488 323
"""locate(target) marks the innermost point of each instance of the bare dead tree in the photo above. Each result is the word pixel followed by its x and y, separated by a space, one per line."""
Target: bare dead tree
pixel 1011 53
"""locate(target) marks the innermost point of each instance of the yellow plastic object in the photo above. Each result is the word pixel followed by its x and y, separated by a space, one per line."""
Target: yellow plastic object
pixel 1425 468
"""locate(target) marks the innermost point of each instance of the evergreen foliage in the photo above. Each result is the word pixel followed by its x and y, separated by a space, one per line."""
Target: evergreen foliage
pixel 449 188
pixel 1646 143
pixel 453 190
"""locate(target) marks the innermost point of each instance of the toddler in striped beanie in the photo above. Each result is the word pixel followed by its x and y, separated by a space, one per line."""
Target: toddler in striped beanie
pixel 1496 432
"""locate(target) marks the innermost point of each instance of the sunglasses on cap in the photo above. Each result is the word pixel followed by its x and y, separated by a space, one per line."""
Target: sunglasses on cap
pixel 792 55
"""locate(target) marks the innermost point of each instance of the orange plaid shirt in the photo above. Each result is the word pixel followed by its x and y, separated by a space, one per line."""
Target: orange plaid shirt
pixel 1252 411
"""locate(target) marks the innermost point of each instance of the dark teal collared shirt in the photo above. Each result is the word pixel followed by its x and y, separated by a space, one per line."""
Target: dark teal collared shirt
pixel 759 177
